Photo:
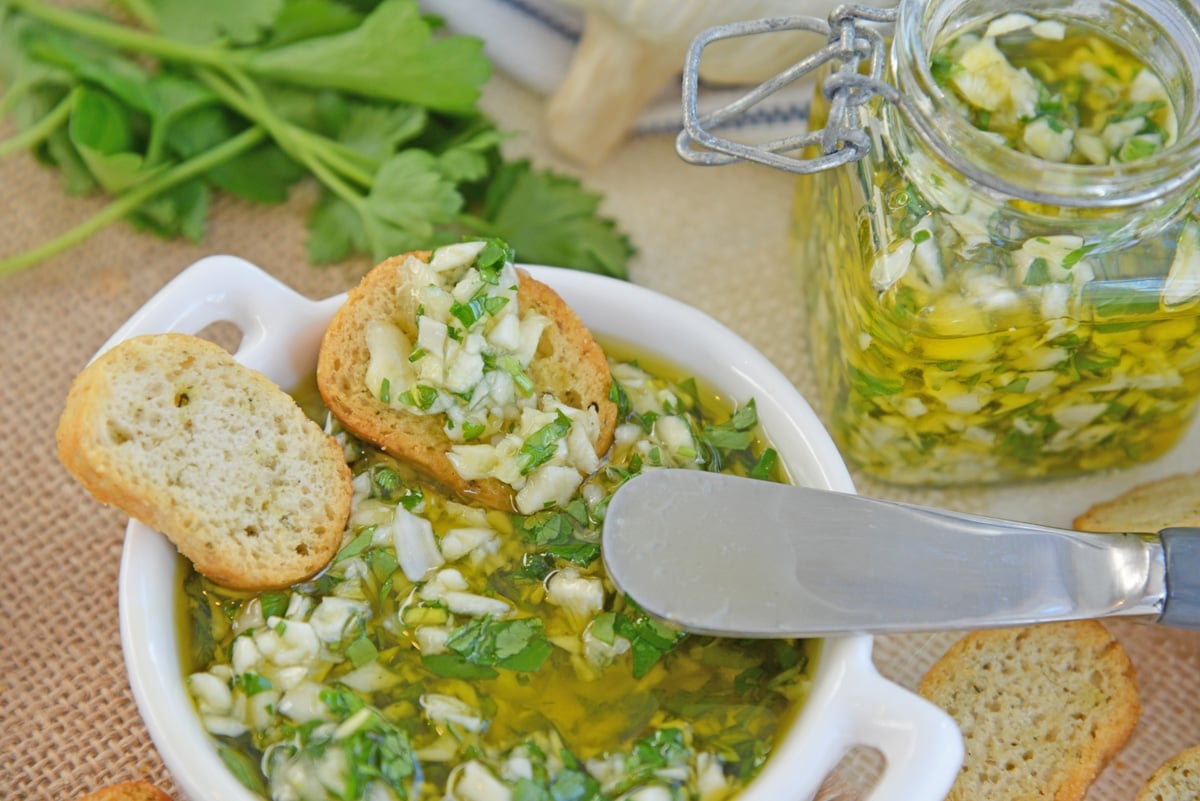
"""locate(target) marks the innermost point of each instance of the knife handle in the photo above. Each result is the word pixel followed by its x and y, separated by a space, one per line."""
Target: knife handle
pixel 1181 555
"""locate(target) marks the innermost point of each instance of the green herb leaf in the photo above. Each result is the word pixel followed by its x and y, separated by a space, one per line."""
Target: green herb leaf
pixel 551 219
pixel 243 768
pixel 248 97
pixel 361 652
pixel 540 446
pixel 252 683
pixel 1039 272
pixel 102 131
pixel 869 386
pixel 650 639
pixel 242 21
pixel 392 55
pixel 412 195
pixel 274 603
pixel 357 545
pixel 453 666
pixel 765 466
pixel 517 644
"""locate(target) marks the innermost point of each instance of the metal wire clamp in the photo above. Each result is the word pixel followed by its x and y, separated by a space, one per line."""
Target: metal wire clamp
pixel 842 140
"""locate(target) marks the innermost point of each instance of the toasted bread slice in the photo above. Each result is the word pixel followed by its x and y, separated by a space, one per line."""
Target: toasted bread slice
pixel 173 431
pixel 1177 779
pixel 569 364
pixel 127 791
pixel 1147 508
pixel 1042 708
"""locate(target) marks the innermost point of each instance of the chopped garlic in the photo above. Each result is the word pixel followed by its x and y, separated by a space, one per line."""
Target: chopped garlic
pixel 1048 143
pixel 440 709
pixel 1009 23
pixel 416 547
pixel 580 596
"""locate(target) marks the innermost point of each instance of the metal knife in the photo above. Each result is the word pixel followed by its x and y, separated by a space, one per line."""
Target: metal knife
pixel 723 555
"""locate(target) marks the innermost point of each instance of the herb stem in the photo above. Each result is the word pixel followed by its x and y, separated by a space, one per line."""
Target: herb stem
pixel 132 200
pixel 31 137
pixel 246 101
pixel 120 36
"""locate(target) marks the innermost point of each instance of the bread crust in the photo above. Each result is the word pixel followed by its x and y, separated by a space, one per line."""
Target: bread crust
pixel 569 364
pixel 127 791
pixel 1177 779
pixel 1042 708
pixel 1147 508
pixel 173 431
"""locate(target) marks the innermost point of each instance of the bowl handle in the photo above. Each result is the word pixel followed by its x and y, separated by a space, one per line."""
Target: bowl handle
pixel 921 745
pixel 853 706
pixel 272 317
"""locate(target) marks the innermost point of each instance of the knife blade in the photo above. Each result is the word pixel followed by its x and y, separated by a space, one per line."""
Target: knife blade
pixel 723 555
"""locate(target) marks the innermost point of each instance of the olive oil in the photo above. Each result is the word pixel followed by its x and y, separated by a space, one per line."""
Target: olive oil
pixel 623 699
pixel 961 338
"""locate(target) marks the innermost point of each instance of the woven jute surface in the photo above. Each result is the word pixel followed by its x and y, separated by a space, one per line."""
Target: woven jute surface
pixel 716 238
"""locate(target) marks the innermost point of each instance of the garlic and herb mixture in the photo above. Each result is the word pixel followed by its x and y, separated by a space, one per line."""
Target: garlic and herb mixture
pixel 981 341
pixel 1056 91
pixel 470 362
pixel 455 652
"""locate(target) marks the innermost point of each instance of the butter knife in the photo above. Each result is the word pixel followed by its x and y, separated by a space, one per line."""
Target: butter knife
pixel 723 555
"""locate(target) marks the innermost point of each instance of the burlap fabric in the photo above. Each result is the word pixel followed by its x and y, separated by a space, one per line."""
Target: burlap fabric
pixel 716 238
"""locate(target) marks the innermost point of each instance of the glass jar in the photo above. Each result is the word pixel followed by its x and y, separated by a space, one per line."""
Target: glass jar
pixel 979 313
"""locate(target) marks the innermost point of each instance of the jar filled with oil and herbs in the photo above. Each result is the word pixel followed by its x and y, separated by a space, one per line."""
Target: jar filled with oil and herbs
pixel 1008 285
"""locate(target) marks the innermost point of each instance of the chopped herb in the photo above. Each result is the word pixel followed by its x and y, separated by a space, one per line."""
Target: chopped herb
pixel 579 553
pixel 869 386
pixel 361 652
pixel 244 769
pixel 521 378
pixel 765 466
pixel 422 396
pixel 1137 147
pixel 540 446
pixel 360 543
pixel 650 639
pixel 518 644
pixel 472 430
pixel 385 391
pixel 273 603
pixel 547 528
pixel 252 683
pixel 735 433
pixel 602 627
pixel 1039 272
pixel 412 498
pixel 385 482
pixel 617 394
pixel 491 260
pixel 453 666
pixel 943 68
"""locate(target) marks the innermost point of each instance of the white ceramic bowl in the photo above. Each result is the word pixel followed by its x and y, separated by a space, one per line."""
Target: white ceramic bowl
pixel 851 704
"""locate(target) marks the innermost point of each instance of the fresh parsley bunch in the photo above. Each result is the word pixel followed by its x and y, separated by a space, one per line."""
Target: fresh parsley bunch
pixel 251 96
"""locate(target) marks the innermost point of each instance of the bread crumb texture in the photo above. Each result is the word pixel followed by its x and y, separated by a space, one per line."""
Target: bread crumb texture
pixel 1042 709
pixel 1147 508
pixel 128 791
pixel 173 431
pixel 1178 779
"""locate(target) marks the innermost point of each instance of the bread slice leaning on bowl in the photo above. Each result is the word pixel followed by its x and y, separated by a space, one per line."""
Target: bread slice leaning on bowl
pixel 569 364
pixel 173 431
